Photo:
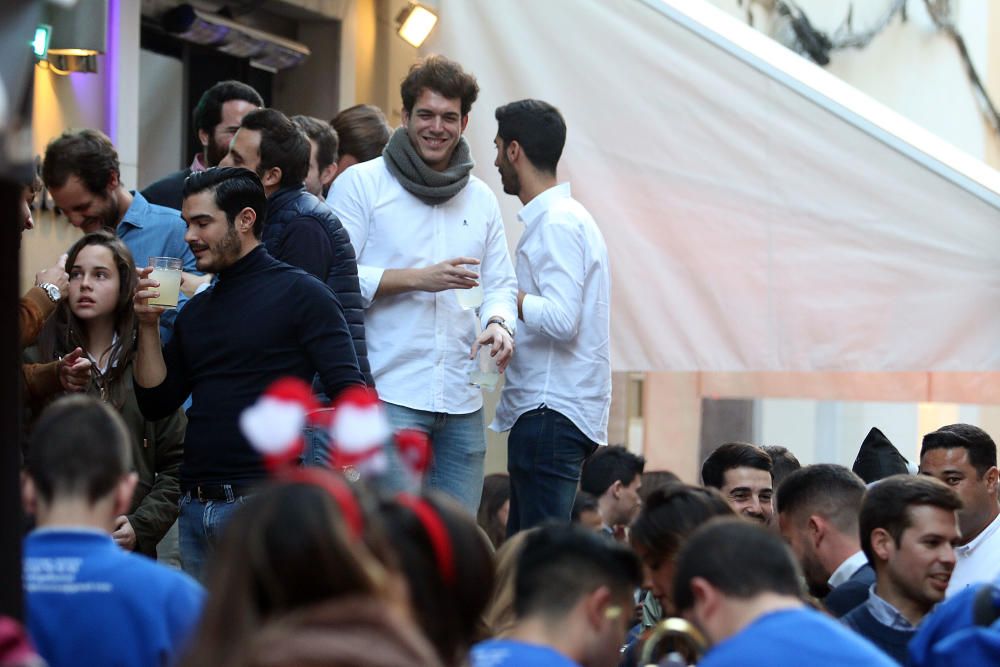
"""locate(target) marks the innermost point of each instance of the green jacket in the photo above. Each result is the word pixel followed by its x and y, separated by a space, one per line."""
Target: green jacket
pixel 157 452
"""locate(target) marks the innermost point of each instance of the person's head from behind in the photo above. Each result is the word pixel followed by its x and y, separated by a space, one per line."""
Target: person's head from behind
pixel 494 507
pixel 668 517
pixel 586 512
pixel 437 97
pixel 653 480
pixel 783 463
pixel 613 475
pixel 742 473
pixel 499 615
pixel 909 531
pixel 323 145
pixel 294 545
pixel 448 567
pixel 818 508
pixel 225 209
pixel 82 173
pixel 964 457
pixel 726 569
pixel 78 464
pixel 530 138
pixel 363 132
pixel 580 585
pixel 273 147
pixel 218 114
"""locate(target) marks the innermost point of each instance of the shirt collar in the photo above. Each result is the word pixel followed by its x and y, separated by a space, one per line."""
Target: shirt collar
pixel 136 211
pixel 987 533
pixel 534 208
pixel 847 569
pixel 197 164
pixel 885 613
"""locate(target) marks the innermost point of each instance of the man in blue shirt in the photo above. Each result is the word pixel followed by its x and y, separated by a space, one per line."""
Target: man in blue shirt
pixel 88 601
pixel 82 173
pixel 572 599
pixel 738 583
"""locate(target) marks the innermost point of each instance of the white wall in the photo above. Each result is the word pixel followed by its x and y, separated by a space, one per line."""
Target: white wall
pixel 161 113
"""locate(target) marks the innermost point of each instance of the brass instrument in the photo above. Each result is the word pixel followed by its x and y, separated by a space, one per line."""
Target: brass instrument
pixel 672 641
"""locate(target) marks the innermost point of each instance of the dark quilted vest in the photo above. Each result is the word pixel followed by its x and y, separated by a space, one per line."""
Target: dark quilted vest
pixel 288 204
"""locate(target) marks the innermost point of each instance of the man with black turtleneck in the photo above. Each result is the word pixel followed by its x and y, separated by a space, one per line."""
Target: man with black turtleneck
pixel 262 320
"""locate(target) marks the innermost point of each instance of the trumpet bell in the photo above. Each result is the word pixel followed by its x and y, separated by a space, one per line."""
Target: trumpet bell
pixel 672 642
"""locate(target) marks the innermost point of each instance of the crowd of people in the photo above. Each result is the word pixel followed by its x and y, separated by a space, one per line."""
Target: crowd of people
pixel 352 257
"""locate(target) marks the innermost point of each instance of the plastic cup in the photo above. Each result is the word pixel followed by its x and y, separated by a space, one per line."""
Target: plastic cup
pixel 167 272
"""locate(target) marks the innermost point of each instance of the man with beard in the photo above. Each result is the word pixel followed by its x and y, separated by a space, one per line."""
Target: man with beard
pixel 557 394
pixel 216 118
pixel 323 143
pixel 82 173
pixel 909 531
pixel 424 228
pixel 301 230
pixel 260 321
pixel 818 508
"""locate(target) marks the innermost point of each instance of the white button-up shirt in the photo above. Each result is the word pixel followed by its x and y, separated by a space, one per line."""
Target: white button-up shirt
pixel 978 561
pixel 563 354
pixel 419 342
pixel 847 569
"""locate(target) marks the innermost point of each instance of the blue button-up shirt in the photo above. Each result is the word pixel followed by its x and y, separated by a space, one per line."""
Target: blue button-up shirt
pixel 150 230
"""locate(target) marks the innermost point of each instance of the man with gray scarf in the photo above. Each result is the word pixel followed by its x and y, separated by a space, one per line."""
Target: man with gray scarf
pixel 424 229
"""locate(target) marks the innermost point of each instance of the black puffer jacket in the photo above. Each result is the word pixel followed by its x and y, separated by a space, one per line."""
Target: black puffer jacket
pixel 301 230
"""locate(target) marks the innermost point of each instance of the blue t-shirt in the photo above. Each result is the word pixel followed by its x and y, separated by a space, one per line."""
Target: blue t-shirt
pixel 795 637
pixel 510 653
pixel 90 602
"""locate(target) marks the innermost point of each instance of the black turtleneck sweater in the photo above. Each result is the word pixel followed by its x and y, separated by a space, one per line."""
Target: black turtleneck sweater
pixel 262 320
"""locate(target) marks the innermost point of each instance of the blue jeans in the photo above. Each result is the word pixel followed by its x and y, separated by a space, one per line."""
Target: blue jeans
pixel 545 452
pixel 458 446
pixel 200 524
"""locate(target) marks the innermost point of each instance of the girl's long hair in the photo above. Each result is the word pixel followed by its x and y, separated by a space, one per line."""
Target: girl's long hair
pixel 63 331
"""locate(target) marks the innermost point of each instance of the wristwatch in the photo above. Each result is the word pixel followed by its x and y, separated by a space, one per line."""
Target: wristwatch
pixel 496 319
pixel 52 291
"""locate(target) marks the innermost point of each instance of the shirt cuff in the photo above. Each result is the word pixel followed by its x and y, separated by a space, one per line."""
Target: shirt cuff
pixel 532 307
pixel 369 277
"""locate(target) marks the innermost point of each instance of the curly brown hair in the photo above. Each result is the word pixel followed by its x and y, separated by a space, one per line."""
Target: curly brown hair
pixel 442 75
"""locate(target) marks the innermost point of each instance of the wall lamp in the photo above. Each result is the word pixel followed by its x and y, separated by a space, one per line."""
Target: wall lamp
pixel 415 23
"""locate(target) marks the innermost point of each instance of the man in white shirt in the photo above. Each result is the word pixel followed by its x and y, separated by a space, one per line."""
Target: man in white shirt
pixel 558 391
pixel 424 227
pixel 965 458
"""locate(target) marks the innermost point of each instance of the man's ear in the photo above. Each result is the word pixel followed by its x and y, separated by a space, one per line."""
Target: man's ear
pixel 816 528
pixel 203 138
pixel 271 177
pixel 616 489
pixel 29 494
pixel 992 476
pixel 245 220
pixel 597 604
pixel 326 176
pixel 114 180
pixel 706 597
pixel 513 150
pixel 883 544
pixel 124 492
pixel 465 121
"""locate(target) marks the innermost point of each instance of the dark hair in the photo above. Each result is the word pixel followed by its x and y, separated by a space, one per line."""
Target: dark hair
pixel 290 547
pixel 323 135
pixel 496 492
pixel 609 465
pixel 362 130
pixel 887 505
pixel 80 448
pixel 235 189
pixel 442 75
pixel 538 127
pixel 829 490
pixel 584 502
pixel 670 514
pixel 656 479
pixel 208 112
pixel 783 463
pixel 282 145
pixel 448 607
pixel 740 558
pixel 732 455
pixel 561 563
pixel 64 331
pixel 982 450
pixel 87 154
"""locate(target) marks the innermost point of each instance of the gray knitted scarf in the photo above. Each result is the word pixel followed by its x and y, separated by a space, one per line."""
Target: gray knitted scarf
pixel 428 185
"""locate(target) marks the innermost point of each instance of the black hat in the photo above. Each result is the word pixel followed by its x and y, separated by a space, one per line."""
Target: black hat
pixel 878 458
